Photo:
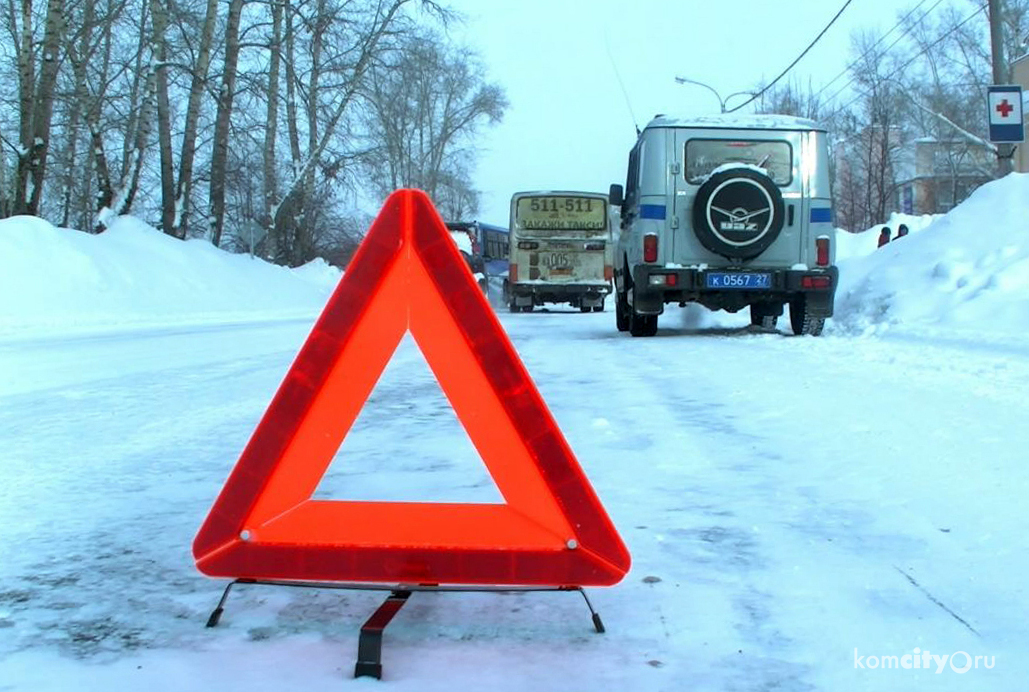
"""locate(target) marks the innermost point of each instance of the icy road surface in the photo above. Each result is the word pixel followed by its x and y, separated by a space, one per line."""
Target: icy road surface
pixel 795 508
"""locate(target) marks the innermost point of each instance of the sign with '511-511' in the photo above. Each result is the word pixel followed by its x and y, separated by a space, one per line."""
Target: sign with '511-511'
pixel 1005 110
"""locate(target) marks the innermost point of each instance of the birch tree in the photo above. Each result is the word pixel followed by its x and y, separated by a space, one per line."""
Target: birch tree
pixel 159 14
pixel 184 184
pixel 222 122
pixel 36 97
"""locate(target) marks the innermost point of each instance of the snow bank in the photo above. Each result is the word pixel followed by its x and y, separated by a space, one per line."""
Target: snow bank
pixel 56 279
pixel 967 271
pixel 850 245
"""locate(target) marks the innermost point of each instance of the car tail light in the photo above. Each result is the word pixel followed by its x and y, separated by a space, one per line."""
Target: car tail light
pixel 512 273
pixel 663 280
pixel 650 247
pixel 822 248
pixel 609 272
pixel 816 282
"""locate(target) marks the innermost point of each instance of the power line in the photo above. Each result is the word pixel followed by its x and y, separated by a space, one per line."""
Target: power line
pixel 792 64
pixel 850 81
pixel 917 55
pixel 873 47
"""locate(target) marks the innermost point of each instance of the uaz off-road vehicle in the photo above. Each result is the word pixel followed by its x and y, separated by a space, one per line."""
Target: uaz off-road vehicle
pixel 729 212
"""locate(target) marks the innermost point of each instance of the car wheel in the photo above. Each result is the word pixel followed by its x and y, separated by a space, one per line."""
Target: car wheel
pixel 621 312
pixel 758 318
pixel 642 325
pixel 598 308
pixel 513 307
pixel 527 308
pixel 801 319
pixel 584 308
pixel 738 213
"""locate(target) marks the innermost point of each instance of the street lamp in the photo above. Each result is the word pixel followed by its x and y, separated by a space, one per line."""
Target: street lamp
pixel 721 101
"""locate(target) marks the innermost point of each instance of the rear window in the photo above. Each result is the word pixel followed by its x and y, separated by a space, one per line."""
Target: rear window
pixel 705 155
pixel 560 212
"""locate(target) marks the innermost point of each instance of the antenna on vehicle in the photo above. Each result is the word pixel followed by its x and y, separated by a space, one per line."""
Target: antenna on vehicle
pixel 625 94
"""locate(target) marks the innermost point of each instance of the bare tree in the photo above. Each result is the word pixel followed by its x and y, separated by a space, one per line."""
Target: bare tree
pixel 222 122
pixel 270 191
pixel 37 102
pixel 184 185
pixel 159 14
pixel 425 109
pixel 329 48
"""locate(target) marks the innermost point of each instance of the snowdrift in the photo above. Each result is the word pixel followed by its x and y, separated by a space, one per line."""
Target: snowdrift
pixel 967 271
pixel 60 280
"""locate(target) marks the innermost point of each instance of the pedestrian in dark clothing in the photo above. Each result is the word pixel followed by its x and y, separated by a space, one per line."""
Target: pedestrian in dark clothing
pixel 884 236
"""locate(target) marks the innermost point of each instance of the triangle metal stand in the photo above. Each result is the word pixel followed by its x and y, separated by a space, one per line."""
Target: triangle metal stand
pixel 369 643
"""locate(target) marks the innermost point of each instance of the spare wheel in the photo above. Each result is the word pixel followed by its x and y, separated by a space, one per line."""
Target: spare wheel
pixel 738 213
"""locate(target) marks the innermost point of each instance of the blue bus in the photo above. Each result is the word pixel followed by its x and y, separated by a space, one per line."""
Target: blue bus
pixel 490 246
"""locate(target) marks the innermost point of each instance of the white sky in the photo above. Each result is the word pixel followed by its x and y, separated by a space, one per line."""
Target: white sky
pixel 568 125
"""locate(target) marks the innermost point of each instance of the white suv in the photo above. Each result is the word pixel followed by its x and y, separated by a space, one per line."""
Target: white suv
pixel 729 212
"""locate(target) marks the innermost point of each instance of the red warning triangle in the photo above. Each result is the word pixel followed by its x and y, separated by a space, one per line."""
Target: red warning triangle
pixel 409 276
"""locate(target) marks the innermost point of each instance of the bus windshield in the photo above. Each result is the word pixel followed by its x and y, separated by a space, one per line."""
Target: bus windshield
pixel 560 213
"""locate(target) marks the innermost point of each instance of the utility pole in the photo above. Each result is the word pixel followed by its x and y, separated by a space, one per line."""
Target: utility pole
pixel 1000 76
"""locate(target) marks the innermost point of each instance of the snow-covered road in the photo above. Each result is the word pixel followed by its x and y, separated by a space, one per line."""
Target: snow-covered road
pixel 793 506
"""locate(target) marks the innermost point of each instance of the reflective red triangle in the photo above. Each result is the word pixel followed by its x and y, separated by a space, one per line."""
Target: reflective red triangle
pixel 409 276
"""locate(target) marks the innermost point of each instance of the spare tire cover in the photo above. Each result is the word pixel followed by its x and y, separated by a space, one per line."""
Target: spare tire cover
pixel 738 213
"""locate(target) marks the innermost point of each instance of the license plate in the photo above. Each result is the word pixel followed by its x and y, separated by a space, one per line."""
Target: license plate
pixel 740 280
pixel 559 260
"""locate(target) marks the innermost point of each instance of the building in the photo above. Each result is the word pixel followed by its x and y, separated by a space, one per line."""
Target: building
pixel 934 175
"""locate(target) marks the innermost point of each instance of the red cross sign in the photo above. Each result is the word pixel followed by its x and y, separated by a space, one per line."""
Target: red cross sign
pixel 1005 113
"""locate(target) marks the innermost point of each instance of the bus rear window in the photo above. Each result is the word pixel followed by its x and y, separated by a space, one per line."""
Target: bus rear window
pixel 560 213
pixel 705 155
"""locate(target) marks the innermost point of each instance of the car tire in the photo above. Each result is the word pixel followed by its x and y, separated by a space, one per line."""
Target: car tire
pixel 621 312
pixel 801 319
pixel 642 325
pixel 745 200
pixel 584 308
pixel 598 308
pixel 513 307
pixel 758 318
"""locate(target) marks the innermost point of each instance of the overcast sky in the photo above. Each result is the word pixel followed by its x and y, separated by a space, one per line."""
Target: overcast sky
pixel 568 125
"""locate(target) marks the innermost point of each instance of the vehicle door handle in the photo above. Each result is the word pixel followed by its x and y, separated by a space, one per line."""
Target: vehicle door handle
pixel 789 220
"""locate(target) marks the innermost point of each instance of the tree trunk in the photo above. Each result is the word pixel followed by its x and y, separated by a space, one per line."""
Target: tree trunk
pixel 159 12
pixel 269 182
pixel 285 223
pixel 184 187
pixel 26 88
pixel 302 206
pixel 219 161
pixel 125 195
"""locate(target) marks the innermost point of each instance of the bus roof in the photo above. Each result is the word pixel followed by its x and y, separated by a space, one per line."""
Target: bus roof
pixel 582 193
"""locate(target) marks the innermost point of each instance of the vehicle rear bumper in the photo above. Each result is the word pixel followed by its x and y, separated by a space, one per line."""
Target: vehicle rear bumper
pixel 690 285
pixel 536 293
